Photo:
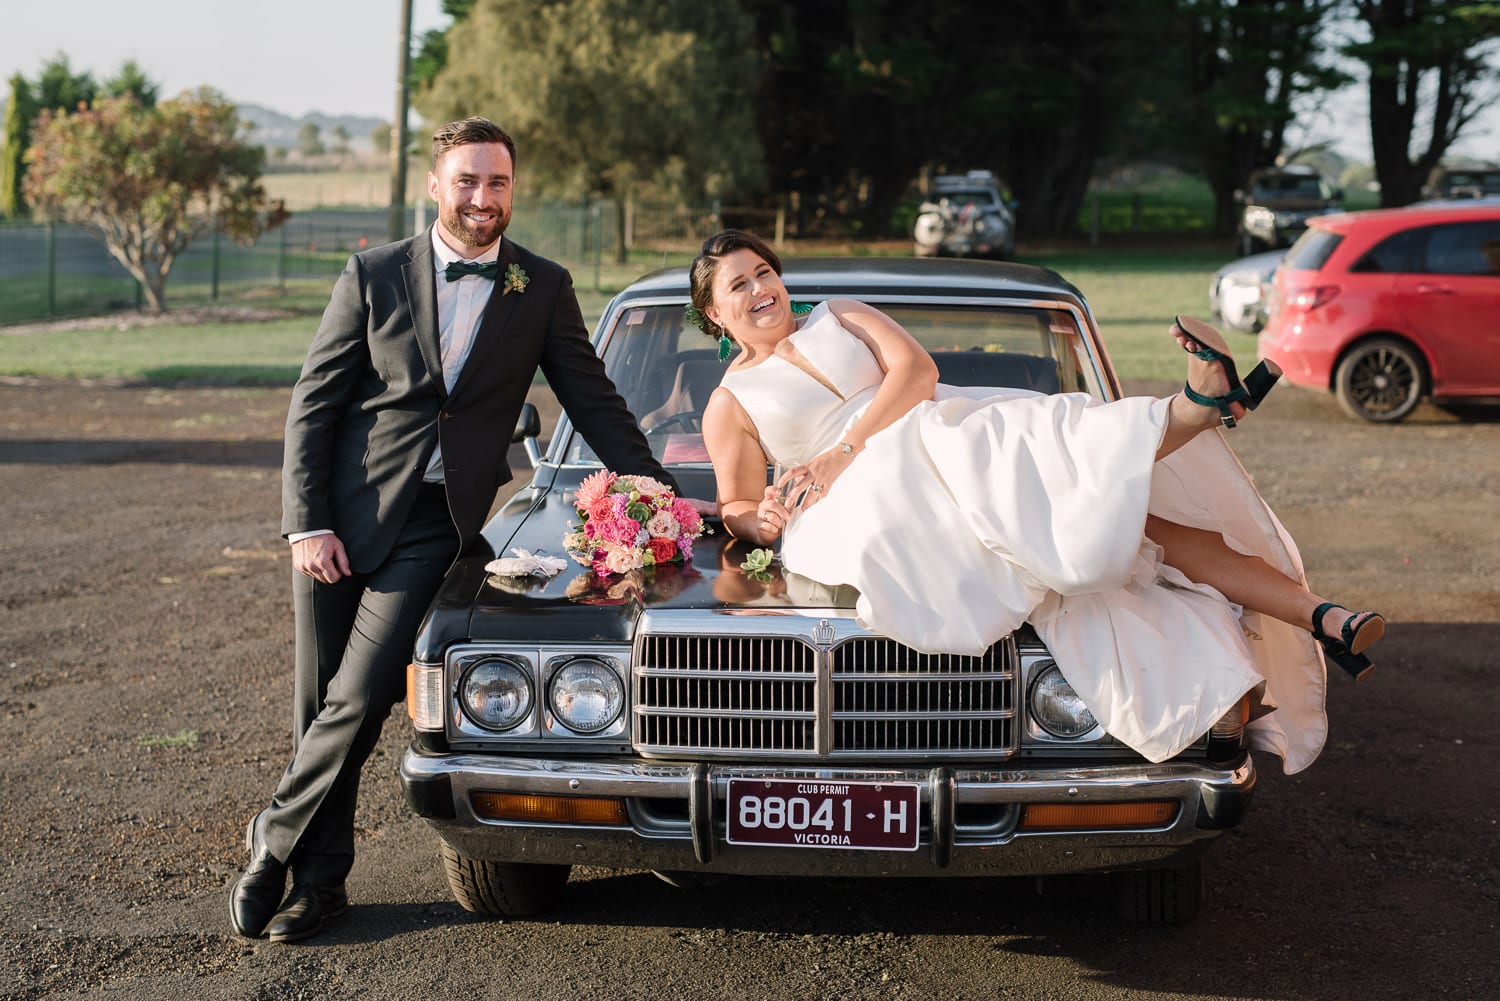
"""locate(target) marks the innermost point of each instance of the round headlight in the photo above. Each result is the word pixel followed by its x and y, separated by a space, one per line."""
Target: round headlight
pixel 586 695
pixel 496 694
pixel 1056 708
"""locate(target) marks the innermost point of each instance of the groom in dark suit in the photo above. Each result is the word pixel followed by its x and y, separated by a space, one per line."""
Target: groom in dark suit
pixel 396 444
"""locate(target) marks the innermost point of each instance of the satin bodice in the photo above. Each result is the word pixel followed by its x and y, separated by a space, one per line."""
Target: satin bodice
pixel 794 413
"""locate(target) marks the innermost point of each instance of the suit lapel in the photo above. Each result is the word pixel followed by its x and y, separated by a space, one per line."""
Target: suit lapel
pixel 421 293
pixel 497 314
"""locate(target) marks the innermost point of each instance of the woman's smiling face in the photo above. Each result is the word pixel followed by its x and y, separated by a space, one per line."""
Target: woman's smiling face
pixel 748 295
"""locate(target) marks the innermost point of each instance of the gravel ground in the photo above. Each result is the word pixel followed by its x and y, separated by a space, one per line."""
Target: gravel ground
pixel 145 659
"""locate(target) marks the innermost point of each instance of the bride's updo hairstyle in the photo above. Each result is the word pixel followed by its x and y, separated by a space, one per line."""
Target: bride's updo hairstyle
pixel 706 265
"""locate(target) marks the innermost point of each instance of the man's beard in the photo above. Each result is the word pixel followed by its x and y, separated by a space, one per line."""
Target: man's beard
pixel 470 235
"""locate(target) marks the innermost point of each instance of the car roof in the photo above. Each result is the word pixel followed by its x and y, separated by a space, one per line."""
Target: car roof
pixel 885 277
pixel 1421 213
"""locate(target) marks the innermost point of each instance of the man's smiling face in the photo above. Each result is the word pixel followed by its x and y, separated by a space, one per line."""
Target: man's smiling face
pixel 472 185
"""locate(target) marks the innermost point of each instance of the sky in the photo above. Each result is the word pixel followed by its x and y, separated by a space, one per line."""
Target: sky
pixel 293 56
pixel 340 56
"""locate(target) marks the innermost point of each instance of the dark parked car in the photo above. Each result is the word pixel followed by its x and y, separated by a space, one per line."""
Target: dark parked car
pixel 1276 204
pixel 1462 182
pixel 967 216
pixel 1389 306
pixel 704 720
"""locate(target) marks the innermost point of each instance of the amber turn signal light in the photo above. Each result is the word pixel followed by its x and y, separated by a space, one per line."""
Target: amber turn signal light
pixel 548 809
pixel 1097 816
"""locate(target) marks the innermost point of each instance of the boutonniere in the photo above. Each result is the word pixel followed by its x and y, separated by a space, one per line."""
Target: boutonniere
pixel 515 280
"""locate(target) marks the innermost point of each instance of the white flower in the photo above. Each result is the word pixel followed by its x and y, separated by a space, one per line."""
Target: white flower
pixel 663 526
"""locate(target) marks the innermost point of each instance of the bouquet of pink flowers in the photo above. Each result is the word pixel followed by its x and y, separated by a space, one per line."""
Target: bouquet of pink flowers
pixel 629 523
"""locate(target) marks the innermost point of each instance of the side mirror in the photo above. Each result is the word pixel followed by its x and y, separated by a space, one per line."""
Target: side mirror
pixel 528 429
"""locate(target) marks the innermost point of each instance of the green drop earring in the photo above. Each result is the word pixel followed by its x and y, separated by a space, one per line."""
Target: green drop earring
pixel 801 308
pixel 725 346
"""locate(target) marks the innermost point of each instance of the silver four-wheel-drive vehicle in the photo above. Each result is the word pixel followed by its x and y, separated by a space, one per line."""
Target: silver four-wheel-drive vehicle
pixel 705 720
pixel 1276 203
pixel 966 216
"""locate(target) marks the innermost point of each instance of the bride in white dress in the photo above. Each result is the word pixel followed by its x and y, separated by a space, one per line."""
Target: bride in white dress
pixel 1136 546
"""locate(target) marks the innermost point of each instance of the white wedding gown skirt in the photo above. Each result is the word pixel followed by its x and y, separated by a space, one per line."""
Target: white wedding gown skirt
pixel 986 508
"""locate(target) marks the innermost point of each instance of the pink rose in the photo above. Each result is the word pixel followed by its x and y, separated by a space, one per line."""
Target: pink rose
pixel 663 526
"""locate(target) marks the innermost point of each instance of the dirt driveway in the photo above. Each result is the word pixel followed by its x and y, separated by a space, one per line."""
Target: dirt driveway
pixel 145 652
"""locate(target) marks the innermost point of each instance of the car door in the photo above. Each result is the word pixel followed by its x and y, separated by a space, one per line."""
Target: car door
pixel 1453 304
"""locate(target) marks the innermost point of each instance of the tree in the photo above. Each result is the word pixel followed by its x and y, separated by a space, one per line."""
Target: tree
pixel 432 51
pixel 1426 58
pixel 149 181
pixel 309 139
pixel 17 135
pixel 1031 89
pixel 602 96
pixel 1236 71
pixel 131 79
pixel 340 140
pixel 60 89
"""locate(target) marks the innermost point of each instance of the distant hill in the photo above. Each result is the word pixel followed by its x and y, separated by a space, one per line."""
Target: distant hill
pixel 275 130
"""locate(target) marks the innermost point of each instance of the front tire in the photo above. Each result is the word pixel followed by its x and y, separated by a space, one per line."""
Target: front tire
pixel 1160 896
pixel 502 889
pixel 1381 380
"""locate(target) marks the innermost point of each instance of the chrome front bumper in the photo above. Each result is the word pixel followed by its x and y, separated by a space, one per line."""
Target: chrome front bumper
pixel 970 817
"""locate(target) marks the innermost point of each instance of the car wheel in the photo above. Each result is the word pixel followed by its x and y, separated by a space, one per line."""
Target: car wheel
pixel 1381 380
pixel 1160 896
pixel 502 889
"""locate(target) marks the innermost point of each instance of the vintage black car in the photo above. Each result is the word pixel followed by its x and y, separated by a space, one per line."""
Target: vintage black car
pixel 703 720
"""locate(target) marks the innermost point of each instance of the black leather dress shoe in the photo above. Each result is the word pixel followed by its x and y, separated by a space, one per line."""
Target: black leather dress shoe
pixel 257 895
pixel 305 910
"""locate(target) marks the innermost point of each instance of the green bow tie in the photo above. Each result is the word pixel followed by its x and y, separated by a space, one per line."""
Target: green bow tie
pixel 458 269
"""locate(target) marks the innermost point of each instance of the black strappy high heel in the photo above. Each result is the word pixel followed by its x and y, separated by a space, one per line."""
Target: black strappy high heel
pixel 1360 632
pixel 1256 385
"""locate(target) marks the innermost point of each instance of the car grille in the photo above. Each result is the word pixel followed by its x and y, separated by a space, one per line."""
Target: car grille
pixel 789 697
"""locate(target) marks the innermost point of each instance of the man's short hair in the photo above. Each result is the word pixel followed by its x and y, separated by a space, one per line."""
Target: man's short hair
pixel 467 132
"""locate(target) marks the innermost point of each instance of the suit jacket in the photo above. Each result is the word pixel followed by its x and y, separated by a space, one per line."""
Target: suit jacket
pixel 371 402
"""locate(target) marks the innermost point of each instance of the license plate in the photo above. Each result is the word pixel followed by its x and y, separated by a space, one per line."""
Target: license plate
pixel 873 816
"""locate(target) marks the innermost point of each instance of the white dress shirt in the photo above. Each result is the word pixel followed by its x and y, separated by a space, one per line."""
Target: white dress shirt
pixel 460 306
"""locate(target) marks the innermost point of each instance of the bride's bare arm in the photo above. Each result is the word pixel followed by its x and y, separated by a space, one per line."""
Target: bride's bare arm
pixel 910 378
pixel 748 507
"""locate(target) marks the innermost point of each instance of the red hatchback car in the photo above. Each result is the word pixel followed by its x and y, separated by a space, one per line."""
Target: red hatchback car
pixel 1388 306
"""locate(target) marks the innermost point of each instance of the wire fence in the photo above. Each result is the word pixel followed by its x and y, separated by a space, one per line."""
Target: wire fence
pixel 53 271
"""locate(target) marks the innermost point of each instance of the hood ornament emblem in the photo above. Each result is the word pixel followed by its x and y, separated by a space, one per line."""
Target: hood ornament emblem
pixel 822 635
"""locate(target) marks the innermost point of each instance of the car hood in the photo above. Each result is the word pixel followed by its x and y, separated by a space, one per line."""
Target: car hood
pixel 577 605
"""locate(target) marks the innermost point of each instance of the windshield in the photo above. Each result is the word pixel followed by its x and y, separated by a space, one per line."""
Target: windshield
pixel 1300 187
pixel 666 369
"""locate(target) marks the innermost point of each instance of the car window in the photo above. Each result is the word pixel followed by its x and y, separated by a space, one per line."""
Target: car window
pixel 1466 248
pixel 1290 186
pixel 1312 249
pixel 1399 253
pixel 665 368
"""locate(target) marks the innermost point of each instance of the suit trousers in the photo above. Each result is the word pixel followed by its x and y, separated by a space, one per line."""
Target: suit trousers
pixel 354 640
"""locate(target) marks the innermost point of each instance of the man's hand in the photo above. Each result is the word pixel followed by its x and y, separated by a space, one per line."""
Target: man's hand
pixel 321 557
pixel 705 508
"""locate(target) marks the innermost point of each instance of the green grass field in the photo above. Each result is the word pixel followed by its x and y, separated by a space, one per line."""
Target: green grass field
pixel 1133 293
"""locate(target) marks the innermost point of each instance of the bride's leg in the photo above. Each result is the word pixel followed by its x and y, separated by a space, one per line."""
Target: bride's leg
pixel 1245 580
